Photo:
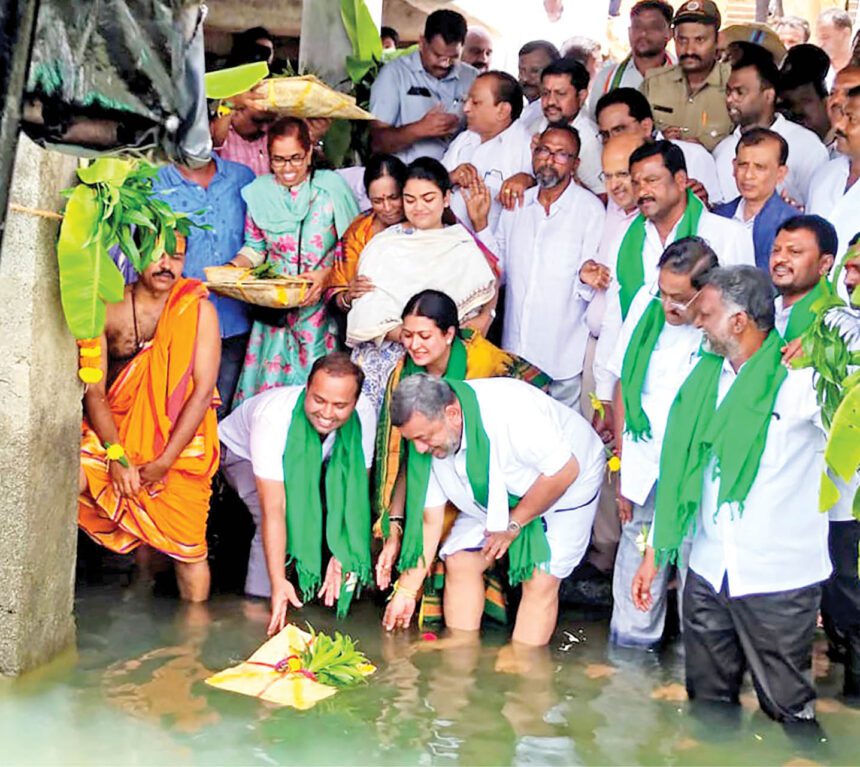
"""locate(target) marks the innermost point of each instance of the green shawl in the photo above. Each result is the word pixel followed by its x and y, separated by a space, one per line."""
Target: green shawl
pixel 530 548
pixel 630 269
pixel 802 316
pixel 734 434
pixel 273 209
pixel 635 366
pixel 347 532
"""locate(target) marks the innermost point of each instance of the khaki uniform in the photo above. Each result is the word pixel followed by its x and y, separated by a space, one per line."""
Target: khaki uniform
pixel 703 116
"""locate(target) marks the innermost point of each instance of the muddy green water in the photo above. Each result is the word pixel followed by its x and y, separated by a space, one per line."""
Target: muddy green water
pixel 133 694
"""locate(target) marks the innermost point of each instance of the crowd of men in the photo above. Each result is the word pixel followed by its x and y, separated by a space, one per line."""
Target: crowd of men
pixel 662 232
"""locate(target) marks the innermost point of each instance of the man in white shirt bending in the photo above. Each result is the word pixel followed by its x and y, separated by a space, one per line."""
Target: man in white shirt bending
pixel 548 250
pixel 495 146
pixel 751 99
pixel 743 439
pixel 254 437
pixel 524 472
pixel 668 211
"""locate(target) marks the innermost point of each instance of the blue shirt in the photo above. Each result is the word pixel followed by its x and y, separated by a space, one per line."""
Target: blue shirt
pixel 222 208
pixel 404 92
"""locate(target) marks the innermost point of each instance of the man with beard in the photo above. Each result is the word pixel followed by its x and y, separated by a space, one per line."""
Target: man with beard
pixel 751 101
pixel 564 89
pixel 478 48
pixel 418 98
pixel 668 211
pixel 548 248
pixel 833 191
pixel 649 34
pixel 149 443
pixel 743 438
pixel 689 99
pixel 494 147
pixel 524 472
pixel 845 80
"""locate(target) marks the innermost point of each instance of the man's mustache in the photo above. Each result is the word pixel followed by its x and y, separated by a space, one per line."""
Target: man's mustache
pixel 643 200
pixel 164 273
pixel 690 57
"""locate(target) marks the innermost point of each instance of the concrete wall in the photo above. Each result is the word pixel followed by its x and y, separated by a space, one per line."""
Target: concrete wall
pixel 40 416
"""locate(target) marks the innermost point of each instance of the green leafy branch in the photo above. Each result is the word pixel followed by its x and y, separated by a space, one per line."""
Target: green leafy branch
pixel 334 661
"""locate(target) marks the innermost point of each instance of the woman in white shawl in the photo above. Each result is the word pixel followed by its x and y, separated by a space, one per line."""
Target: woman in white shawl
pixel 430 250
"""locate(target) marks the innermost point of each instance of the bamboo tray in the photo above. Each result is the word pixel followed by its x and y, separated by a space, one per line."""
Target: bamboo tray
pixel 235 282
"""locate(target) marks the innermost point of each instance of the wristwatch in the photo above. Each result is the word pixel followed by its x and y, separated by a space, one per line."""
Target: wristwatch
pixel 514 527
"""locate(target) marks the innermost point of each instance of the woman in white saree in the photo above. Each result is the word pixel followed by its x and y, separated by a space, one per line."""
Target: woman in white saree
pixel 430 250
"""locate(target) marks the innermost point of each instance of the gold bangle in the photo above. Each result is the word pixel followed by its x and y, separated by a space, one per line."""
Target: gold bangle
pixel 411 593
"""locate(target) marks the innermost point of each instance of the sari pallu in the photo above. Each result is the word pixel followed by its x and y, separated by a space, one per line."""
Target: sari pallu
pixel 483 360
pixel 146 400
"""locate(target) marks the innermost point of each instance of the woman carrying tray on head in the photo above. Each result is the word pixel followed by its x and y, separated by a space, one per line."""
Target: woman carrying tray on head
pixel 296 217
pixel 430 250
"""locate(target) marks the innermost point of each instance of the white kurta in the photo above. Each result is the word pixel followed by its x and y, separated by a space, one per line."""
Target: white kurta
pixel 541 255
pixel 530 435
pixel 256 431
pixel 630 78
pixel 674 357
pixel 497 159
pixel 731 242
pixel 806 153
pixel 614 225
pixel 779 540
pixel 827 197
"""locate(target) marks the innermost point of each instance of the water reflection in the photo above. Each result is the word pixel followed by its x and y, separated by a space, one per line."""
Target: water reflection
pixel 136 688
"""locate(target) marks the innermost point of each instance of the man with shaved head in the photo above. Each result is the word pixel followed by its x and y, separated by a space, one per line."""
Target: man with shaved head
pixel 478 48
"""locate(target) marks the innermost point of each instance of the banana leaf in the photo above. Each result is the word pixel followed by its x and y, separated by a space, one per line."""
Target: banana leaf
pixel 364 37
pixel 88 276
pixel 225 83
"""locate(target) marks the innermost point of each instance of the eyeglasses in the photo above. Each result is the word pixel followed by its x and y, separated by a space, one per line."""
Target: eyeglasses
pixel 621 175
pixel 295 160
pixel 561 155
pixel 617 130
pixel 670 303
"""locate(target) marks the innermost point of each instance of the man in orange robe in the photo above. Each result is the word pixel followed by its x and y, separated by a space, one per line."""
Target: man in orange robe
pixel 149 443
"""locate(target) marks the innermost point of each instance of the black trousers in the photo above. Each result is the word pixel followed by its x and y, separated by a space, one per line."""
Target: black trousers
pixel 771 634
pixel 840 600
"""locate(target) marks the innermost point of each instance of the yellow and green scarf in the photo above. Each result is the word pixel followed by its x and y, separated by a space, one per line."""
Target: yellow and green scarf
pixel 347 528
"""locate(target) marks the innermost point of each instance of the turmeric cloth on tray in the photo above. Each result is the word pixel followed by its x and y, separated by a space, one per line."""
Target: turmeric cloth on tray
pixel 146 400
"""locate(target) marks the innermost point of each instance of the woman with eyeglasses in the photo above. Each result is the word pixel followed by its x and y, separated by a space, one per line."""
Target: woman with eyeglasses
pixel 430 249
pixel 296 218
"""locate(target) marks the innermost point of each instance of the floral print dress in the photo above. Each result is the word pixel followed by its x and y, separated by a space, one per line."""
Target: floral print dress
pixel 282 356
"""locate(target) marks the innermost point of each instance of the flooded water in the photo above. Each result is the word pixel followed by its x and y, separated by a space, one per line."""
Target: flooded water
pixel 133 694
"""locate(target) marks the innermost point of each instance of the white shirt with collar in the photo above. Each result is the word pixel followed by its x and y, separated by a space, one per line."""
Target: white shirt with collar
pixel 828 198
pixel 700 166
pixel 673 359
pixel 631 77
pixel 531 435
pixel 497 159
pixel 541 255
pixel 740 215
pixel 806 153
pixel 731 242
pixel 590 150
pixel 614 225
pixel 778 541
pixel 256 431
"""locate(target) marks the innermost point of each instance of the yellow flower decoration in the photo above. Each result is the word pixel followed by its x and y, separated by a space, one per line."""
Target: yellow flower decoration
pixel 596 405
pixel 614 464
pixel 90 375
pixel 294 664
pixel 115 452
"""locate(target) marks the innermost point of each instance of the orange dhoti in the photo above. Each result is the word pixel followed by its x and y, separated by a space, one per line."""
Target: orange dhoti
pixel 146 400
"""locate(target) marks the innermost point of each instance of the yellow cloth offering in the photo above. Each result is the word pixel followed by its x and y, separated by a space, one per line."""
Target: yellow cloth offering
pixel 279 672
pixel 307 96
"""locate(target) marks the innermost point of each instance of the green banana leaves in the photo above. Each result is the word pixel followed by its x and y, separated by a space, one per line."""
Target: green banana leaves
pixel 113 204
pixel 88 276
pixel 364 37
pixel 225 83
